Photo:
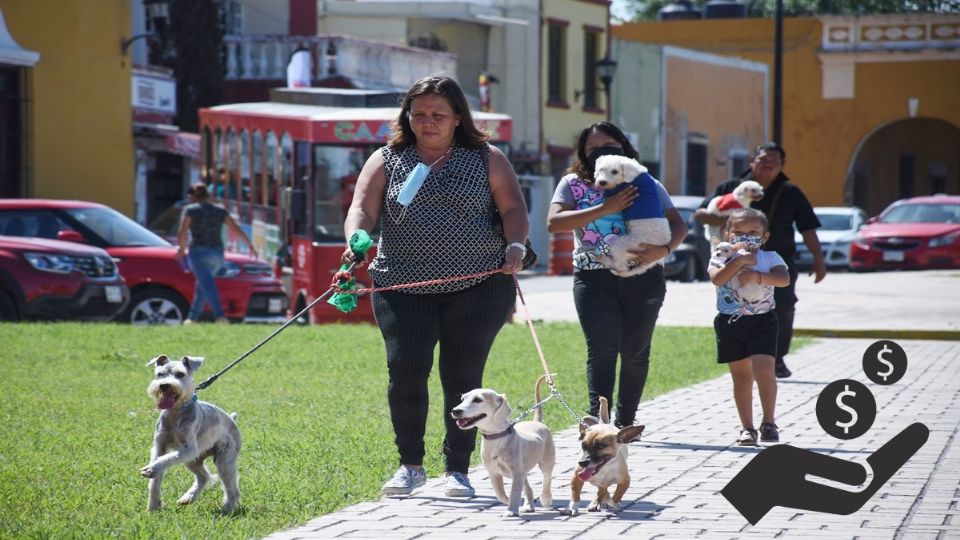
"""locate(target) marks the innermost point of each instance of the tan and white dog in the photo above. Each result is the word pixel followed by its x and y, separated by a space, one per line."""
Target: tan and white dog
pixel 603 462
pixel 509 450
pixel 644 219
pixel 722 205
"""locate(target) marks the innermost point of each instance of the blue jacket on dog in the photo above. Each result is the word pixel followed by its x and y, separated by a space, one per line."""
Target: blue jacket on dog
pixel 647 204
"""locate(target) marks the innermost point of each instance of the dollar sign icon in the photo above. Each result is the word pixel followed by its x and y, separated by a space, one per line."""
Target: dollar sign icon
pixel 849 410
pixel 884 362
pixel 846 409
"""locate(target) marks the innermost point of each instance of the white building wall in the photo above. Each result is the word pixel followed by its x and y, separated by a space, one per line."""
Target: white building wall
pixel 266 17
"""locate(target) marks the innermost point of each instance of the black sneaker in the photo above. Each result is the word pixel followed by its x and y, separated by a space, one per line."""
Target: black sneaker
pixel 769 432
pixel 748 437
pixel 781 370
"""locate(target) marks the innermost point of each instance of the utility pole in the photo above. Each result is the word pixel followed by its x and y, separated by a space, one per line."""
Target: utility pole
pixel 778 75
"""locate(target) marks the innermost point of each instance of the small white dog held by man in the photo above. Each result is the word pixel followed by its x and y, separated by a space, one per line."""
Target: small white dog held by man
pixel 747 192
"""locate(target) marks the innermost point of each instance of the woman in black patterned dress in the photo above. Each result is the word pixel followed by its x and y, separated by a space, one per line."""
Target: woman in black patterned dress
pixel 435 190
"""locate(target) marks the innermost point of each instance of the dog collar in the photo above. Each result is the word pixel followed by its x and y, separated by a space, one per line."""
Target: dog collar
pixel 189 403
pixel 503 433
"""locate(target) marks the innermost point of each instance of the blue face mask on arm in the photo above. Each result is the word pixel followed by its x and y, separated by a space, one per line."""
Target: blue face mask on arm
pixel 412 184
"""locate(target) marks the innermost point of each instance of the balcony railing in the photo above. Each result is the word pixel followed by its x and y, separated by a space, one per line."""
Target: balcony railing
pixel 891 33
pixel 368 63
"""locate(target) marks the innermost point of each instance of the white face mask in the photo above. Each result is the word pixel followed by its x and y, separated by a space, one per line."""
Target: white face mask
pixel 748 239
pixel 415 180
pixel 412 184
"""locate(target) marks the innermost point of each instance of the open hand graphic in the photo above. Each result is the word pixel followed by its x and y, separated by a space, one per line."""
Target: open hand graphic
pixel 777 477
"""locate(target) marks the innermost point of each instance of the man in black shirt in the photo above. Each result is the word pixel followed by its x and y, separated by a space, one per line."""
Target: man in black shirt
pixel 785 205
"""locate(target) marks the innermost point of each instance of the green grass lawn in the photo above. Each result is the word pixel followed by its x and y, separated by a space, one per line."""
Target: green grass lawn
pixel 76 422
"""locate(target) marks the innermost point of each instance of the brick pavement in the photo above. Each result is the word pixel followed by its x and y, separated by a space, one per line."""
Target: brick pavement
pixel 685 458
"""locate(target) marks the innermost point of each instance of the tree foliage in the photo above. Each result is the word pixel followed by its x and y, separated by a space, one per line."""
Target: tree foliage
pixel 648 9
pixel 191 45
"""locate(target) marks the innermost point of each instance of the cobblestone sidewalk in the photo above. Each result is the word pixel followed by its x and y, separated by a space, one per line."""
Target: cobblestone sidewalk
pixel 686 457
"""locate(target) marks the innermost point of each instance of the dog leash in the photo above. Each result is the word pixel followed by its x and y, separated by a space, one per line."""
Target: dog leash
pixel 543 361
pixel 341 278
pixel 333 287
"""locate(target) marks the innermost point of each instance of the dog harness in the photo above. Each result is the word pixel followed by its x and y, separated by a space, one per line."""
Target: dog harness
pixel 728 202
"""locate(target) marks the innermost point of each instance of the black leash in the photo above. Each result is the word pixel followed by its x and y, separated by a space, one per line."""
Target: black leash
pixel 211 379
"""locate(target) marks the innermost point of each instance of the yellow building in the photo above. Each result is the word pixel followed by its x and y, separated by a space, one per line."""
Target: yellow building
pixel 74 102
pixel 871 106
pixel 574 36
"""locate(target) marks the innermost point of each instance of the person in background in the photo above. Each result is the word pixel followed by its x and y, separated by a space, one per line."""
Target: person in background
pixel 747 330
pixel 786 207
pixel 204 221
pixel 435 190
pixel 617 314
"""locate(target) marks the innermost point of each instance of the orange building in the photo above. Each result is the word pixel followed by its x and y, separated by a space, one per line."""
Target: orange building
pixel 871 106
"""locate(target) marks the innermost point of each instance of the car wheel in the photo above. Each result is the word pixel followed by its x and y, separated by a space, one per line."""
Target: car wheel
pixel 156 306
pixel 8 309
pixel 689 272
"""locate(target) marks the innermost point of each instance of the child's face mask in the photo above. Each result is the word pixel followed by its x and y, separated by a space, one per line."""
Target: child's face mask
pixel 747 240
pixel 412 184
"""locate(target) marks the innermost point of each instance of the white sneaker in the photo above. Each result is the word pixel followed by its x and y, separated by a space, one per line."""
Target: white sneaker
pixel 404 481
pixel 456 484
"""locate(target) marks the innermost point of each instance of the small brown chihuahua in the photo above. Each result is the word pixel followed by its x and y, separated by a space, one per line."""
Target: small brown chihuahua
pixel 603 462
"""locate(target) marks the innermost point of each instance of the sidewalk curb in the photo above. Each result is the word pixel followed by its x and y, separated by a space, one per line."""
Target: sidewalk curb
pixel 936 335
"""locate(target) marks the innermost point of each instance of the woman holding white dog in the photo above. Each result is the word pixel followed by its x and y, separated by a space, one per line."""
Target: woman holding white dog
pixel 617 314
pixel 435 191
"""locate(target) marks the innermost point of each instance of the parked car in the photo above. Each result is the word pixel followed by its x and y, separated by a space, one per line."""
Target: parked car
pixel 839 224
pixel 160 289
pixel 167 223
pixel 54 280
pixel 916 233
pixel 689 261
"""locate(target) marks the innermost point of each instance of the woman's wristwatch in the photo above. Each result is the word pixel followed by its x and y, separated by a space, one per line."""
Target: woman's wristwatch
pixel 518 245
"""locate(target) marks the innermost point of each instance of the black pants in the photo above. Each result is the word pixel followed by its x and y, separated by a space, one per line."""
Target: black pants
pixel 618 316
pixel 465 324
pixel 786 299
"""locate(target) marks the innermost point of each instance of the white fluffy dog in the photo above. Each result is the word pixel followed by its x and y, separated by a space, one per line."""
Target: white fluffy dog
pixel 645 221
pixel 751 292
pixel 722 205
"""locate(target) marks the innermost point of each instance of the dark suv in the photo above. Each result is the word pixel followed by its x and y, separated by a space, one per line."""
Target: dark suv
pixel 50 279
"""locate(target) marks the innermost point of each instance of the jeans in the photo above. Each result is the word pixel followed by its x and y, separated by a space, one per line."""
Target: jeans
pixel 786 300
pixel 465 324
pixel 205 261
pixel 618 316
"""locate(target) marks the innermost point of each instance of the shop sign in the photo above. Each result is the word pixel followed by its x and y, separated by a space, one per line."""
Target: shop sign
pixel 155 94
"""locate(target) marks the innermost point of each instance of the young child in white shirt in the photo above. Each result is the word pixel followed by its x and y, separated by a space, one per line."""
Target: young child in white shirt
pixel 747 328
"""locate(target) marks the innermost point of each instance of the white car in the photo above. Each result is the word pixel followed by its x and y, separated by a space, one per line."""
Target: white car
pixel 839 224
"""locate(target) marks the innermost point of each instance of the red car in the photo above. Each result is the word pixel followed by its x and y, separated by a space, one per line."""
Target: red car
pixel 911 234
pixel 53 280
pixel 160 290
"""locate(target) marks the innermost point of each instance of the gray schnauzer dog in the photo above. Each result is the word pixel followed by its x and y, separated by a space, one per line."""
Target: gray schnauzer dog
pixel 188 432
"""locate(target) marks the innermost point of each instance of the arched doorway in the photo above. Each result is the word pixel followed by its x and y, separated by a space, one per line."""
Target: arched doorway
pixel 904 158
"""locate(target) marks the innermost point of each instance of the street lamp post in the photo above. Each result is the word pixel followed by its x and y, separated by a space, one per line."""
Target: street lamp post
pixel 605 70
pixel 158 13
